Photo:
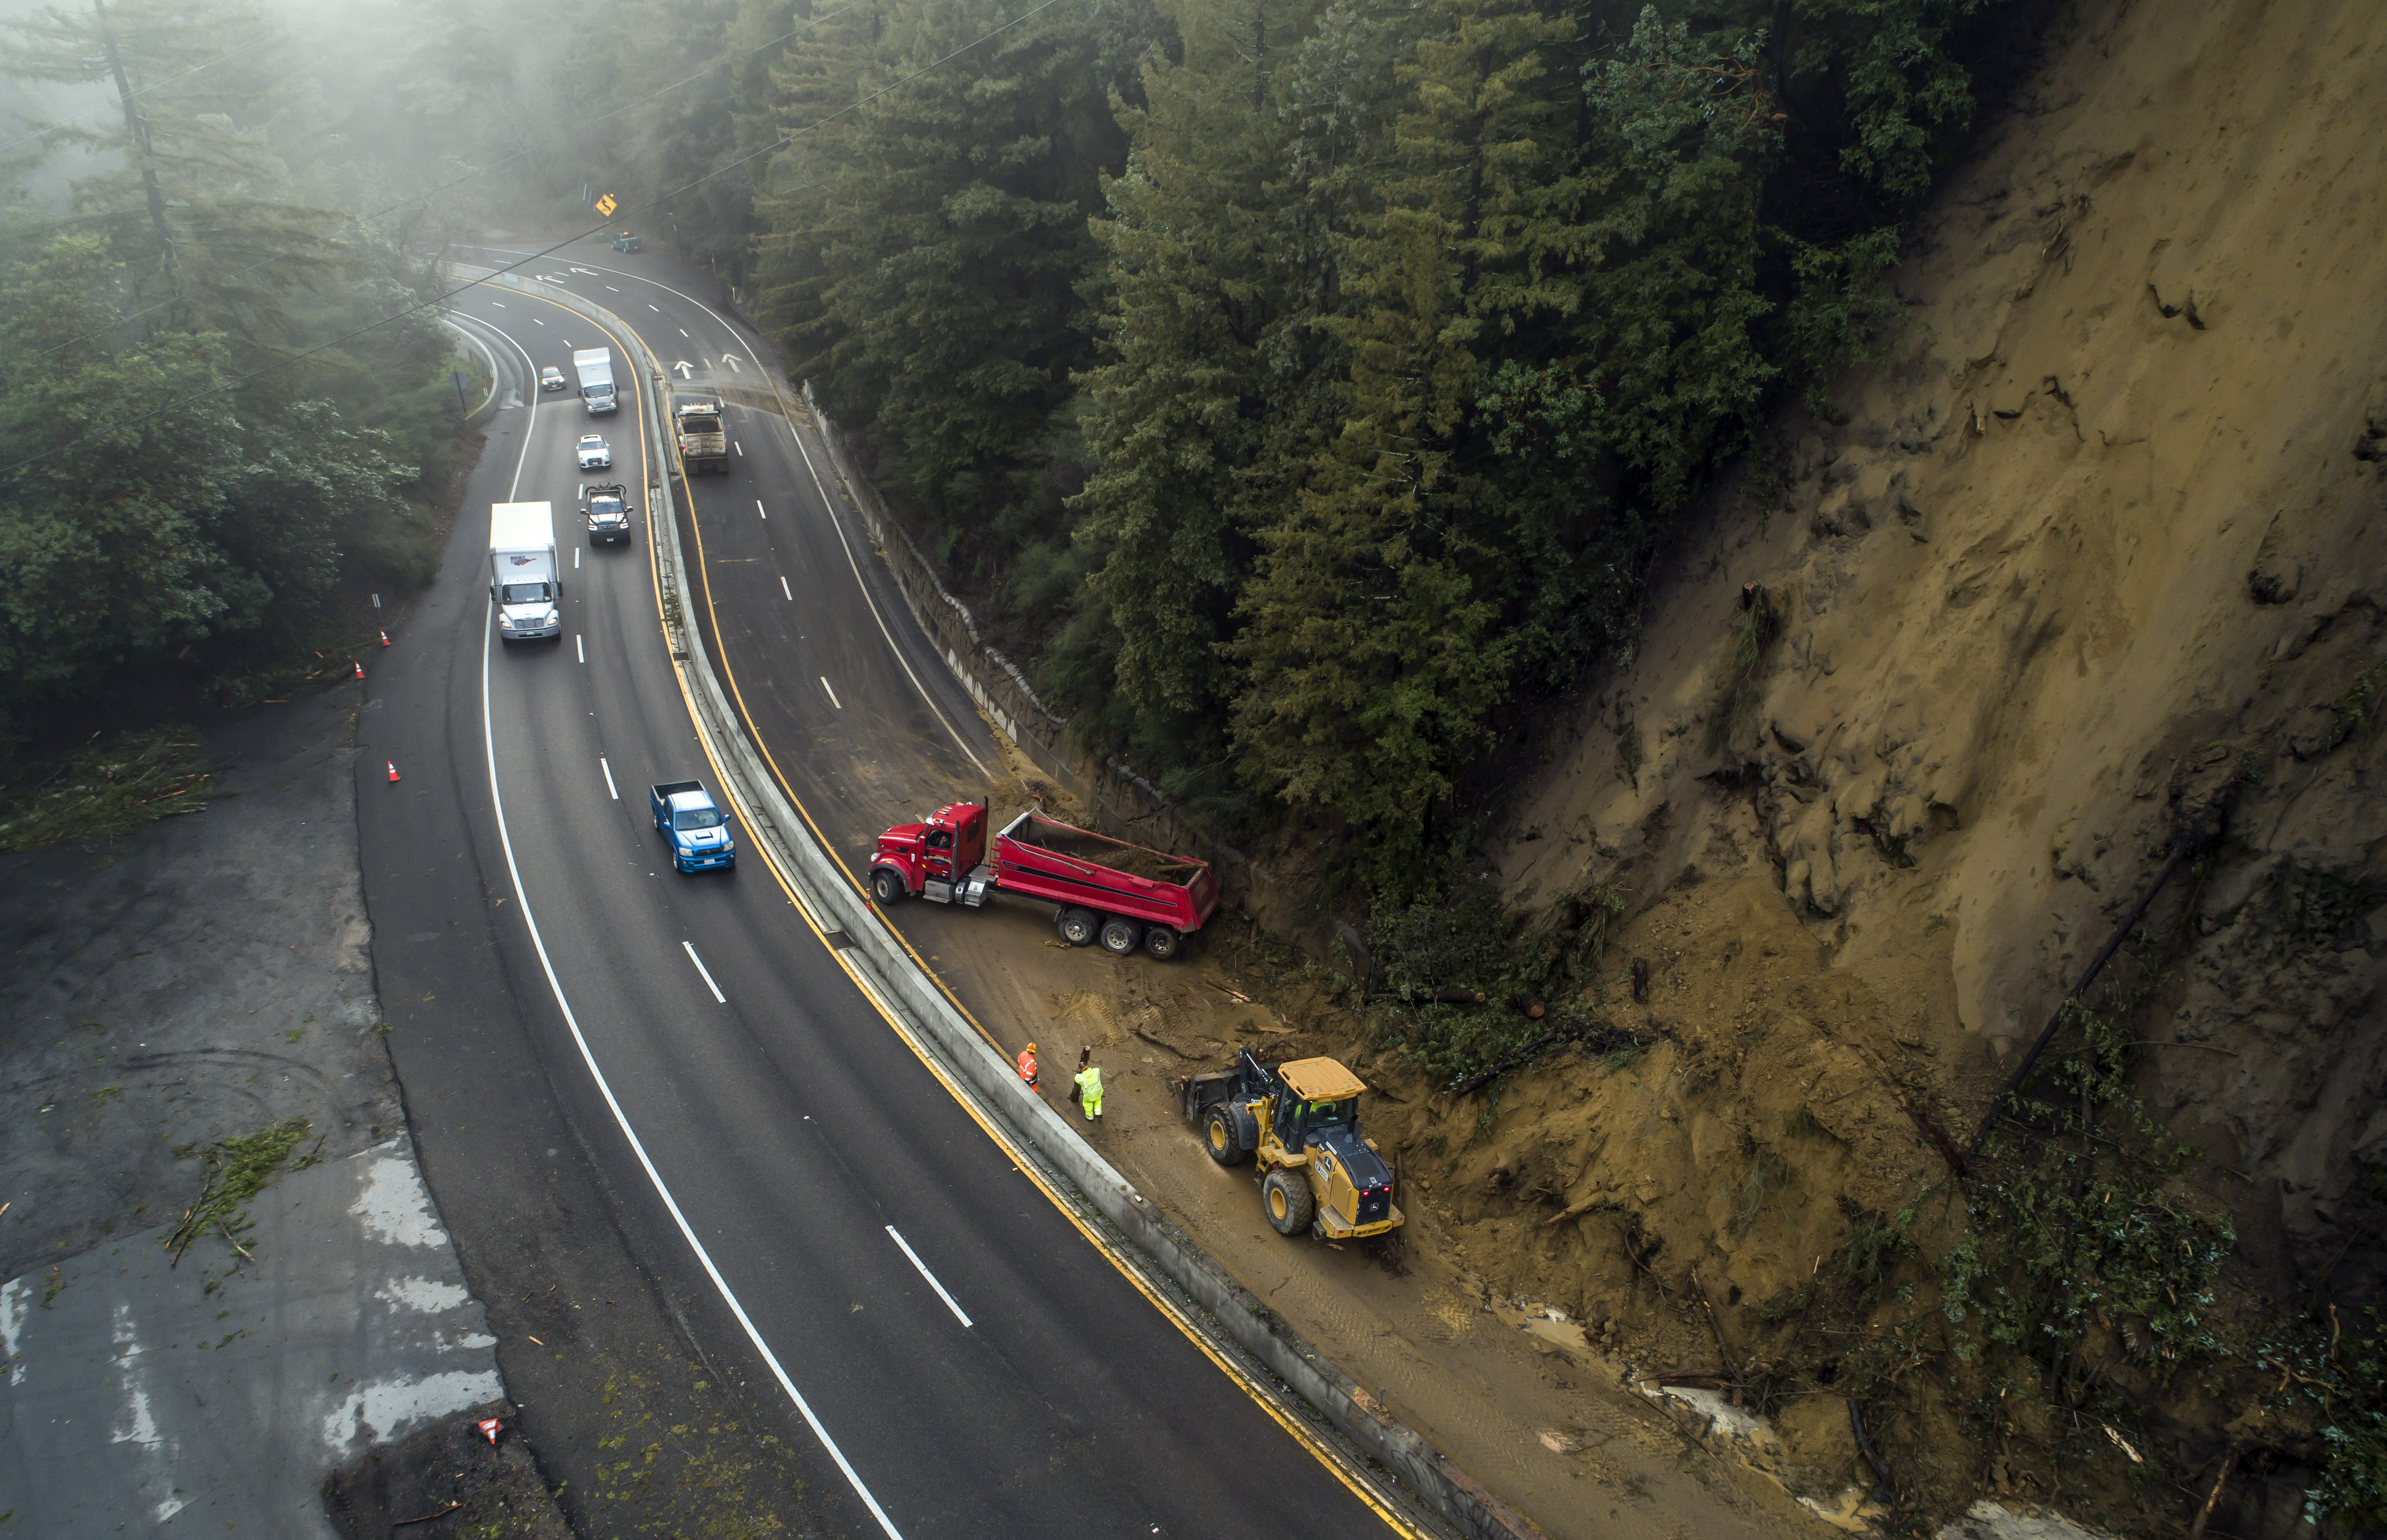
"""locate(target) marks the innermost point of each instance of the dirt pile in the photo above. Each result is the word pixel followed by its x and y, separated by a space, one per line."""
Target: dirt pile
pixel 2096 549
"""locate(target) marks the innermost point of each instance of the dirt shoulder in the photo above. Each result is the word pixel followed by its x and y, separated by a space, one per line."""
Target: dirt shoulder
pixel 1549 1427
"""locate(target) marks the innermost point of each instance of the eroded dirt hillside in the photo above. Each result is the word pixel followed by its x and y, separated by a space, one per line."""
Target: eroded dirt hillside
pixel 2087 571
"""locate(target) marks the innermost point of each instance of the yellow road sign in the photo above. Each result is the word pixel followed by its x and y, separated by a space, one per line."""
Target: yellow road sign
pixel 605 205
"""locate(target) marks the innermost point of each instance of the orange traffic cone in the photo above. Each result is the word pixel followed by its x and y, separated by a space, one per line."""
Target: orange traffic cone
pixel 489 1428
pixel 361 669
pixel 384 638
pixel 393 772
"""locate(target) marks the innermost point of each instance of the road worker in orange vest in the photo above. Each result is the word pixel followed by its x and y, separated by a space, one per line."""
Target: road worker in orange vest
pixel 1027 1065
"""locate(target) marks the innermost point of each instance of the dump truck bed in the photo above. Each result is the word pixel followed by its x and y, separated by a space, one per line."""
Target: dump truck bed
pixel 1044 858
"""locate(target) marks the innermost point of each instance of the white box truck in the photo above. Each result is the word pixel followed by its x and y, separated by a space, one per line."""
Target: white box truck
pixel 596 367
pixel 523 583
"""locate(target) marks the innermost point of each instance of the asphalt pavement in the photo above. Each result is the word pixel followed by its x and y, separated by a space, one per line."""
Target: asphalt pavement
pixel 668 1091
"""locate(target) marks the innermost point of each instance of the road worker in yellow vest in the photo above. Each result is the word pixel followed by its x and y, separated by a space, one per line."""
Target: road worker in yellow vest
pixel 1089 1092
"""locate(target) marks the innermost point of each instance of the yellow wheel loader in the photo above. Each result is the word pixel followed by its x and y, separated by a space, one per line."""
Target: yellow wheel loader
pixel 1299 1122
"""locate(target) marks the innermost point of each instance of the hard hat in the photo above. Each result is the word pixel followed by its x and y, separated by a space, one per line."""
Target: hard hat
pixel 1031 1048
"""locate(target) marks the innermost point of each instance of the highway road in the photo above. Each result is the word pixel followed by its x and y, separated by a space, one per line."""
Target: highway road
pixel 666 1086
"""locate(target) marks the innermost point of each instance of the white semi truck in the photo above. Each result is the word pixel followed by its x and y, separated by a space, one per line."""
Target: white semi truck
pixel 523 583
pixel 596 367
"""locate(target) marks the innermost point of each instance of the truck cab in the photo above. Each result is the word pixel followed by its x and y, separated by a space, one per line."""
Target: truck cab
pixel 936 858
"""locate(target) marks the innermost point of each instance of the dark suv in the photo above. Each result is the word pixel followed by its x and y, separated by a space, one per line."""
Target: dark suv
pixel 626 242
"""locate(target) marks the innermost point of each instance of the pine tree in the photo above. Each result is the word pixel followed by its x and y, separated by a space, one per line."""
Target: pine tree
pixel 1197 304
pixel 1376 647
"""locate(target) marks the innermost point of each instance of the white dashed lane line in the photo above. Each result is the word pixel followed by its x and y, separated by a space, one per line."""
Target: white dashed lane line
pixel 689 947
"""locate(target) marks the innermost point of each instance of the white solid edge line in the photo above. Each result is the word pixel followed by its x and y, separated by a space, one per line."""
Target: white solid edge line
pixel 959 1314
pixel 605 1088
pixel 785 590
pixel 608 777
pixel 689 947
pixel 838 523
pixel 831 688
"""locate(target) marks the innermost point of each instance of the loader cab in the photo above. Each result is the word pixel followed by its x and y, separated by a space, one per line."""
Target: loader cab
pixel 1319 1097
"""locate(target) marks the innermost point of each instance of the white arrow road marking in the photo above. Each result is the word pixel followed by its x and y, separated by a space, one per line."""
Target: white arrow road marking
pixel 590 272
pixel 687 369
pixel 690 948
pixel 609 778
pixel 930 1276
pixel 825 684
pixel 731 359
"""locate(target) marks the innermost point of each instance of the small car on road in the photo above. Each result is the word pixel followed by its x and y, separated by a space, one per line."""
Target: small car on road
pixel 551 378
pixel 595 453
pixel 626 242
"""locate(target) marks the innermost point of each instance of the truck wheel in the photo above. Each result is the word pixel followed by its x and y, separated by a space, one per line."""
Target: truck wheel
pixel 1161 942
pixel 1120 937
pixel 886 887
pixel 1077 926
pixel 1220 1137
pixel 1285 1195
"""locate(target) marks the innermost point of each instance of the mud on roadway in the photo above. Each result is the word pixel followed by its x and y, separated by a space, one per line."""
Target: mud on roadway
pixel 1548 1424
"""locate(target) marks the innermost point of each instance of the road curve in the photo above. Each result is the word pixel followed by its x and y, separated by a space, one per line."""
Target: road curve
pixel 973 1366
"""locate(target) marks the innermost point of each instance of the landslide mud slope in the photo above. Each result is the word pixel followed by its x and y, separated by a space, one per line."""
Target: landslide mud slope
pixel 2095 553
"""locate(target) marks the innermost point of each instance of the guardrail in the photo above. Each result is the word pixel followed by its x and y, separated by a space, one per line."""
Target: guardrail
pixel 1144 1239
pixel 1121 801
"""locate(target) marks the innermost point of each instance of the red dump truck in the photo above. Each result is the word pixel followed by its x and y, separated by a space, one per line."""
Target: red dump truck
pixel 1124 896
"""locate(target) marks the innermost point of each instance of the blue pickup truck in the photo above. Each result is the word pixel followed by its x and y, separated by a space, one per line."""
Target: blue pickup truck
pixel 696 831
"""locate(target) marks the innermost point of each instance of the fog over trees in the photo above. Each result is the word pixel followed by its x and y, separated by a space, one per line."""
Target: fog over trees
pixel 1299 385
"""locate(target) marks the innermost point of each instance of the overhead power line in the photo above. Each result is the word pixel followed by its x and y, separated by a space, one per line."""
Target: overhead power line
pixel 773 148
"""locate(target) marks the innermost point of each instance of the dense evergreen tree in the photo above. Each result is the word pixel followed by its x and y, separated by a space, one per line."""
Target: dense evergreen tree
pixel 1301 382
pixel 944 235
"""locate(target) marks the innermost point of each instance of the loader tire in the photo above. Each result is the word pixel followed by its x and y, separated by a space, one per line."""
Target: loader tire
pixel 1221 1138
pixel 1285 1195
pixel 1120 937
pixel 1077 926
